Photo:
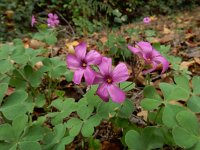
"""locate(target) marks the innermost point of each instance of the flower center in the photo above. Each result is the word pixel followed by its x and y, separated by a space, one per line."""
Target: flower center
pixel 148 59
pixel 83 64
pixel 109 80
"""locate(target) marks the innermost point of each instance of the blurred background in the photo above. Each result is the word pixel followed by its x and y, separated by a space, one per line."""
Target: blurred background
pixel 84 16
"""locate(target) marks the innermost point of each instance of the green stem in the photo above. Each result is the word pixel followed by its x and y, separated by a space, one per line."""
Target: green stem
pixel 148 79
pixel 157 114
pixel 128 85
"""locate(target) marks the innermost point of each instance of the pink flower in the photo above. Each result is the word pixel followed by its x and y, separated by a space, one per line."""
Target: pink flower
pixel 108 80
pixel 147 20
pixel 150 55
pixel 80 63
pixel 33 20
pixel 53 20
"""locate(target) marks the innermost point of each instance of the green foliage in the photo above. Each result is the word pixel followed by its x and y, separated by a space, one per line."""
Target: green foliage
pixel 181 122
pixel 117 47
pixel 39 113
pixel 45 35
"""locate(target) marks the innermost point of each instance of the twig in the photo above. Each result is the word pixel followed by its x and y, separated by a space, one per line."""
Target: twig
pixel 73 33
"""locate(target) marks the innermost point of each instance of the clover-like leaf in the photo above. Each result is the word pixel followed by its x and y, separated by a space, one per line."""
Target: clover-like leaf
pixel 150 104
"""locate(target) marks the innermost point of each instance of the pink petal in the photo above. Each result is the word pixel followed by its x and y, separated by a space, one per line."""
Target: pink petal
pixel 155 65
pixel 155 53
pixel 93 58
pixel 72 62
pixel 116 94
pixel 98 79
pixel 50 15
pixel 81 50
pixel 89 75
pixel 146 49
pixel 56 22
pixel 78 76
pixel 163 61
pixel 120 73
pixel 106 66
pixel 144 45
pixel 33 20
pixel 135 50
pixel 55 16
pixel 102 92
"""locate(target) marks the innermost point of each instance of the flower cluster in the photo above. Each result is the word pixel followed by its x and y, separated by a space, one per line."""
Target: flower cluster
pixel 147 20
pixel 150 55
pixel 107 78
pixel 52 20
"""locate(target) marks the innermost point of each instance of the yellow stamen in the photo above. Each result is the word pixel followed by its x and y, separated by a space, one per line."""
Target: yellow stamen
pixel 84 65
pixel 109 80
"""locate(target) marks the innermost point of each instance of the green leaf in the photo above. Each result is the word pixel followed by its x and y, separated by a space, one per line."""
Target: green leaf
pixel 134 140
pixel 117 13
pixel 7 146
pixel 150 92
pixel 94 120
pixel 34 133
pixel 4 51
pixel 150 104
pixel 126 109
pixel 6 132
pixel 19 124
pixel 74 125
pixel 153 137
pixel 169 115
pixel 53 138
pixel 196 146
pixel 5 66
pixel 196 84
pixel 94 144
pixel 65 141
pixel 84 111
pixel 91 96
pixel 31 145
pixel 183 82
pixel 19 55
pixel 183 138
pixel 40 100
pixel 36 77
pixel 3 89
pixel 65 107
pixel 127 86
pixel 188 120
pixel 14 105
pixel 173 92
pixel 87 129
pixel 194 104
pixel 104 109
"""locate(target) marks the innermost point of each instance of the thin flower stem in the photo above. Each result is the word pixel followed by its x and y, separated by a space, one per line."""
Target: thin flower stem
pixel 73 33
pixel 148 79
pixel 128 85
pixel 157 114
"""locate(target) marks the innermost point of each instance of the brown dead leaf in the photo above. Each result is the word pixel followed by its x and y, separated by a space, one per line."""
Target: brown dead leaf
pixel 71 45
pixel 166 38
pixel 36 44
pixel 104 39
pixel 10 90
pixel 197 60
pixel 143 114
pixel 38 65
pixel 166 30
pixel 186 64
pixel 106 145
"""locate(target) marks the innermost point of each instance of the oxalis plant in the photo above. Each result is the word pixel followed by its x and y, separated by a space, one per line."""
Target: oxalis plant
pixel 37 114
